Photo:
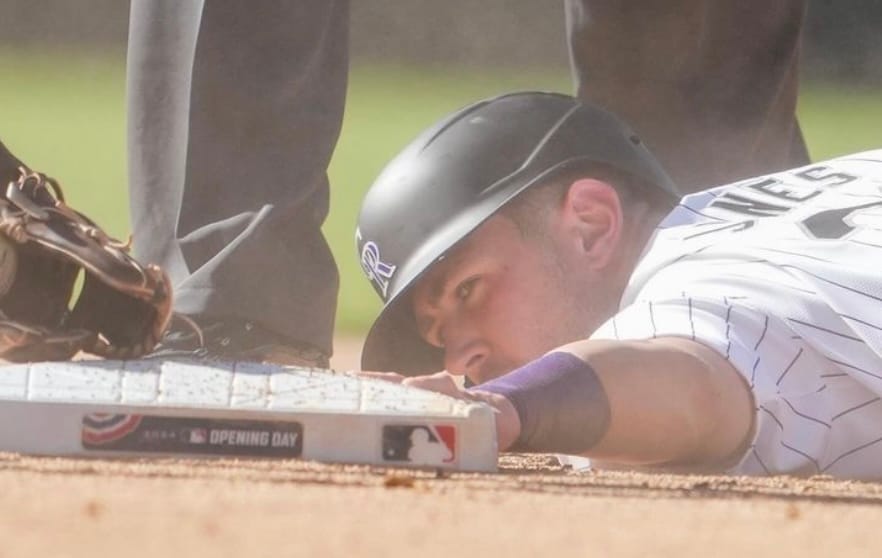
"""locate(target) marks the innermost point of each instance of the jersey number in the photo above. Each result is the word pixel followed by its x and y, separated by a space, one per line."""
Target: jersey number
pixel 831 224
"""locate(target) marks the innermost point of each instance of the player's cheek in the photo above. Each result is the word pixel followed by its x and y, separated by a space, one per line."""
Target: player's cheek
pixel 500 315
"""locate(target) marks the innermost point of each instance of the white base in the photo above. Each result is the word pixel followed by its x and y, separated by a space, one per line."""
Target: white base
pixel 153 407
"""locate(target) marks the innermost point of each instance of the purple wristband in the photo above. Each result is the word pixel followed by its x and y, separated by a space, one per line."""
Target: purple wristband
pixel 560 401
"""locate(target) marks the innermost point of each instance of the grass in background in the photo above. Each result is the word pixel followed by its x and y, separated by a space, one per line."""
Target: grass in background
pixel 64 113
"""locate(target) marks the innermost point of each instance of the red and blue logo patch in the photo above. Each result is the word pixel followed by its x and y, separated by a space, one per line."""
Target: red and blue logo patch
pixel 105 428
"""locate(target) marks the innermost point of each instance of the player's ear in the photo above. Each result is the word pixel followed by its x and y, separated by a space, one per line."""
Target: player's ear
pixel 592 220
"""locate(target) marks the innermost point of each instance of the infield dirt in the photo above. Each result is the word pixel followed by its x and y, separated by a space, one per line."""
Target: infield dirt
pixel 84 508
pixel 53 507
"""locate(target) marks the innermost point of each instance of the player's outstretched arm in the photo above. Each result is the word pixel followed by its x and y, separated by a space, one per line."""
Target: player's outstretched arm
pixel 664 401
pixel 671 401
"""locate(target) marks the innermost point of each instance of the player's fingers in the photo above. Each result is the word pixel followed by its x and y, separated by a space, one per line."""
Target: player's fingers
pixel 441 382
pixel 386 376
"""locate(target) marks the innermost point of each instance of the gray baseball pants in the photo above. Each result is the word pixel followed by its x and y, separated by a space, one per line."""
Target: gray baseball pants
pixel 234 109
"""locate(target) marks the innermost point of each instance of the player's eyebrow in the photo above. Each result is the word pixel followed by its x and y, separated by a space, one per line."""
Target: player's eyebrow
pixel 435 290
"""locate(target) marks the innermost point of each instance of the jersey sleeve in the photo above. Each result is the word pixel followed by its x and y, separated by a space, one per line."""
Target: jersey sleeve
pixel 792 399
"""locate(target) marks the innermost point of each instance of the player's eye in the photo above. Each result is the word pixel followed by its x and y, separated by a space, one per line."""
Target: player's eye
pixel 465 289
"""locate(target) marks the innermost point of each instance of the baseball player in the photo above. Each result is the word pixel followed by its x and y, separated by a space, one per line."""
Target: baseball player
pixel 234 109
pixel 233 112
pixel 532 243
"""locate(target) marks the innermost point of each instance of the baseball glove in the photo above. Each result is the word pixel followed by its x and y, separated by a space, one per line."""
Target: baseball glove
pixel 122 309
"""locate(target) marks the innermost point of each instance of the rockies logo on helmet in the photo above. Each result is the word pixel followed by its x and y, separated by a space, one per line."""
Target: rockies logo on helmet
pixel 377 271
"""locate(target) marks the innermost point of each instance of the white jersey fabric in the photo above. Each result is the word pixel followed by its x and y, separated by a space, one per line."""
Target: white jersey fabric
pixel 782 275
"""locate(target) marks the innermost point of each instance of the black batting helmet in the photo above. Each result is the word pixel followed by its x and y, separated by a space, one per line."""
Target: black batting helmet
pixel 456 175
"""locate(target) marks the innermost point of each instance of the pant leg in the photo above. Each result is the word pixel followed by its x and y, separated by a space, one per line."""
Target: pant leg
pixel 234 110
pixel 711 85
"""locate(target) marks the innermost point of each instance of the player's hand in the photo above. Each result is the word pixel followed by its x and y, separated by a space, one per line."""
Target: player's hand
pixel 508 424
pixel 440 382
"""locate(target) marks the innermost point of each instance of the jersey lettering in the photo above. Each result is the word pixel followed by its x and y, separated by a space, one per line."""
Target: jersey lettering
pixel 771 196
pixel 822 173
pixel 774 187
pixel 747 206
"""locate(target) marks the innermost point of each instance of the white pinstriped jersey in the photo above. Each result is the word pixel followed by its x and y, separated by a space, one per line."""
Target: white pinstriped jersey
pixel 782 275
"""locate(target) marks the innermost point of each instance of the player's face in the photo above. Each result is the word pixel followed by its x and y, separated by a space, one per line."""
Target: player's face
pixel 500 300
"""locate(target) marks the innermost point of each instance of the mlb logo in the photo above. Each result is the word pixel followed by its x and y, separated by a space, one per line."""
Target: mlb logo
pixel 421 444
